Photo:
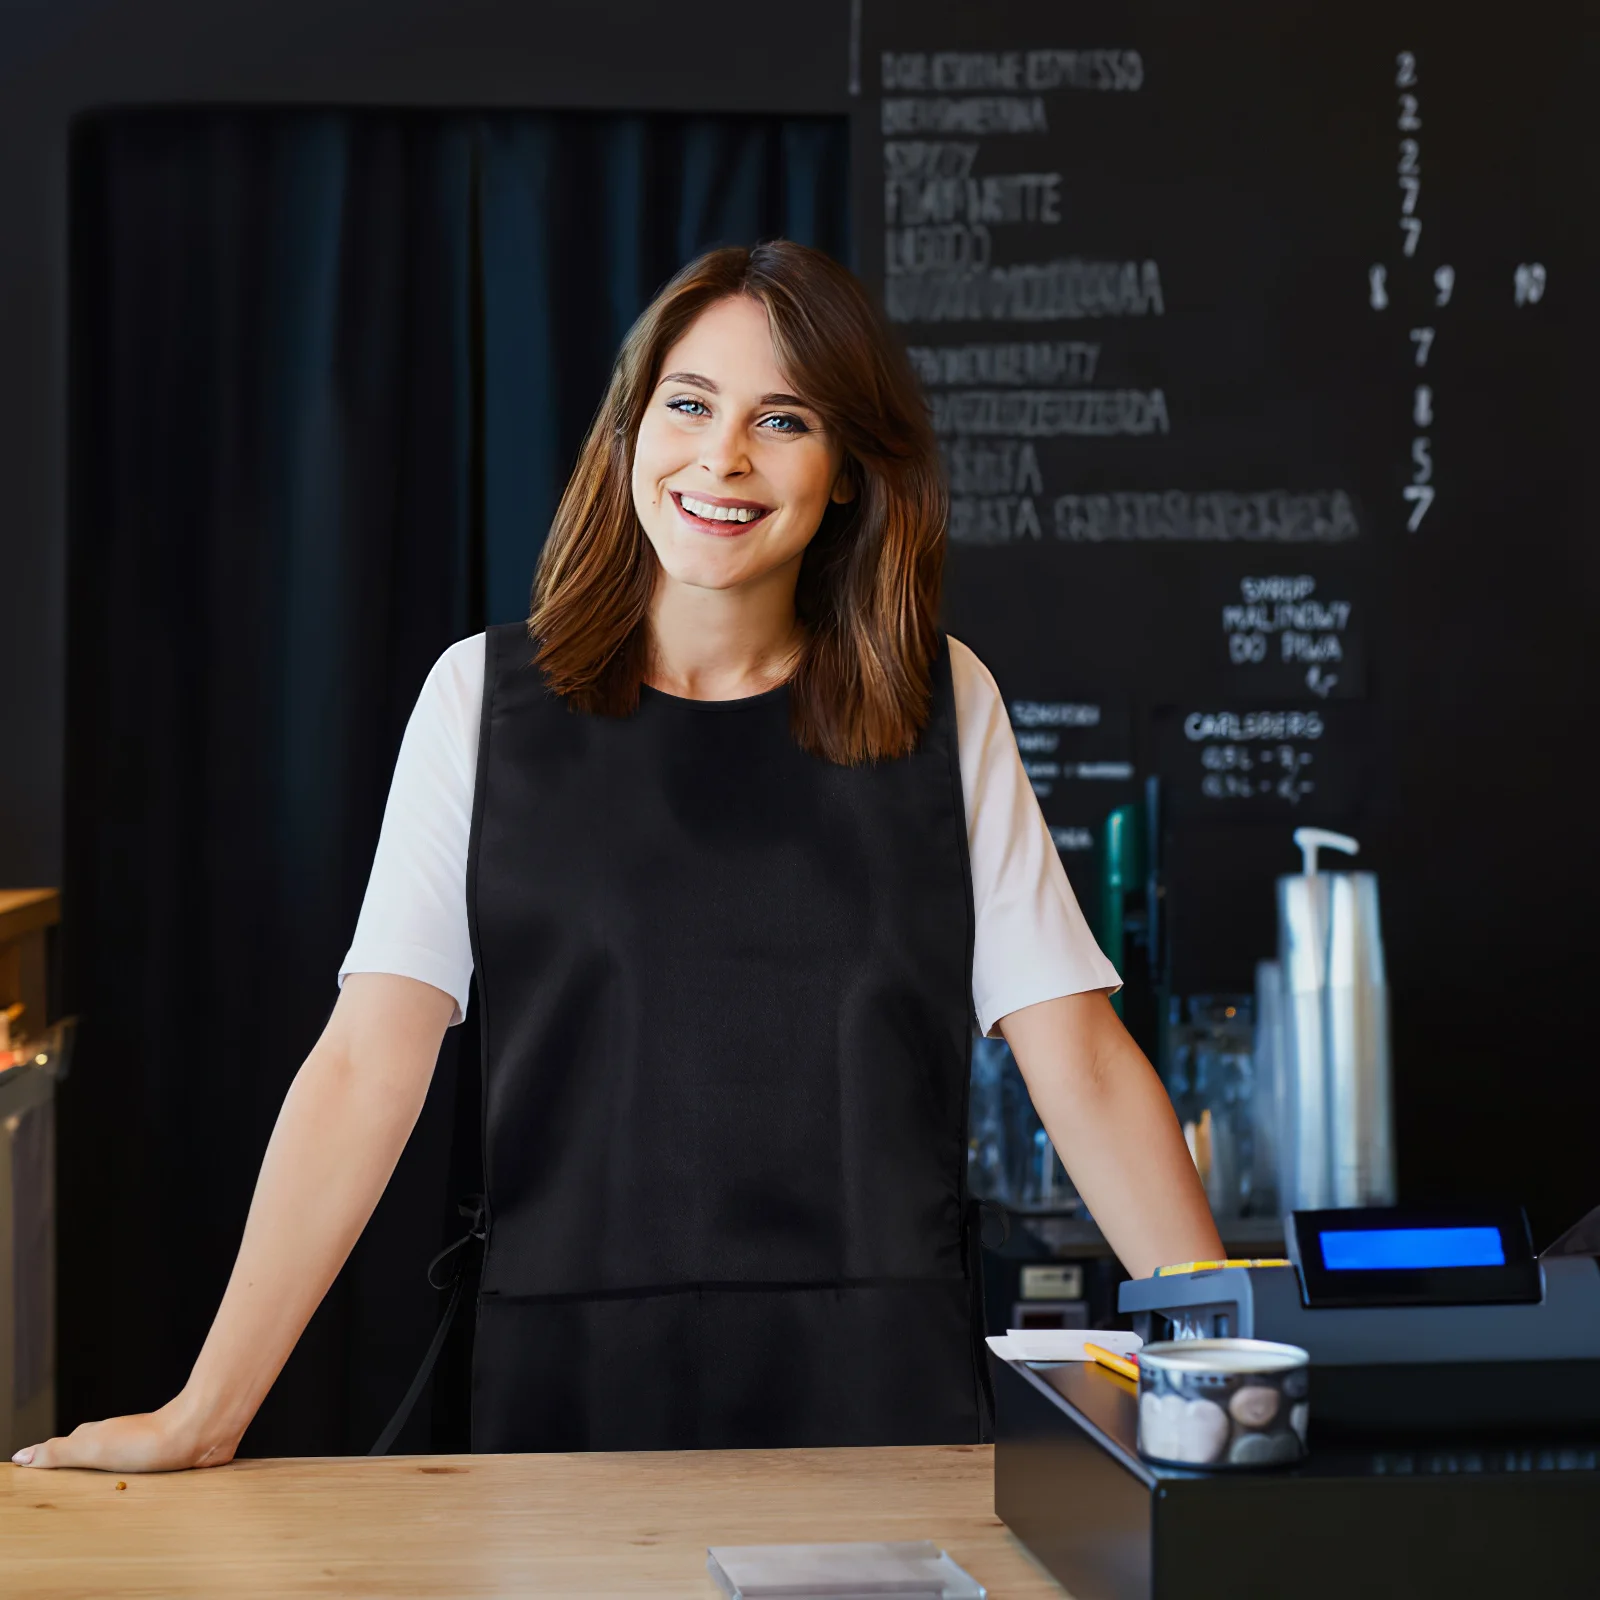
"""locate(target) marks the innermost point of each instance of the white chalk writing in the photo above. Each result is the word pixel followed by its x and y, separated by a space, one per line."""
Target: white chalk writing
pixel 1309 631
pixel 1062 361
pixel 1269 516
pixel 914 70
pixel 953 283
pixel 997 466
pixel 1051 413
pixel 967 114
pixel 993 519
pixel 1246 725
pixel 1072 838
pixel 995 199
pixel 1275 588
pixel 1053 714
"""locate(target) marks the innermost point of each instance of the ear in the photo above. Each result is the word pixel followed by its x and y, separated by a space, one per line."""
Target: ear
pixel 844 485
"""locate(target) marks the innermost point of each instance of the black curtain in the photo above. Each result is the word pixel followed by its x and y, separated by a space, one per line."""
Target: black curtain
pixel 329 372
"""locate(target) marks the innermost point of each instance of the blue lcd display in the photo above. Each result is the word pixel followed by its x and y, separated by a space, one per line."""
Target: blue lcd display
pixel 1397 1249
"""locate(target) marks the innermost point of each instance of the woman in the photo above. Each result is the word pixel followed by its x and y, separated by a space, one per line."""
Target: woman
pixel 736 849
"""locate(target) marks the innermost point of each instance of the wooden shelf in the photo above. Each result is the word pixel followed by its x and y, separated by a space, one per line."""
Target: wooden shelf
pixel 24 911
pixel 25 917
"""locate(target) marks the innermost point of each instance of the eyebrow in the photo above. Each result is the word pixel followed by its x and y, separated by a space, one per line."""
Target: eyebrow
pixel 698 381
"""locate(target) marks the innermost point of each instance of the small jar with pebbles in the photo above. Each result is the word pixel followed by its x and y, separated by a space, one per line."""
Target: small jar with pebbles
pixel 1223 1403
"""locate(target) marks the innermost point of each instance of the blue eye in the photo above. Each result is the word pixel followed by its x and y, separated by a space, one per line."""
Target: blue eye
pixel 688 407
pixel 789 424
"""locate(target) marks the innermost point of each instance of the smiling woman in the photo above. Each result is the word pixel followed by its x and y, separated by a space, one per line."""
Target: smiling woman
pixel 761 385
pixel 738 846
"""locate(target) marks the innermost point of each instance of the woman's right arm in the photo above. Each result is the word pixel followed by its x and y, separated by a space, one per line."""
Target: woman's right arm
pixel 344 1122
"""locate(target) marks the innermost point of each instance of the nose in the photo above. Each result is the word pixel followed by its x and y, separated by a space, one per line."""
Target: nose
pixel 723 451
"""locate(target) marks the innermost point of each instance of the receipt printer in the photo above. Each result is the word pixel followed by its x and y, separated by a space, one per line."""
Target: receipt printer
pixel 1439 1322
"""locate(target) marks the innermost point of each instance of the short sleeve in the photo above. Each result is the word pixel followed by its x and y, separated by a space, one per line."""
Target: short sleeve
pixel 1032 942
pixel 413 919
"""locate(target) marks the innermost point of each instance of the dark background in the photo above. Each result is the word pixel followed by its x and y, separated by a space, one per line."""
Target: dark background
pixel 1479 827
pixel 1257 165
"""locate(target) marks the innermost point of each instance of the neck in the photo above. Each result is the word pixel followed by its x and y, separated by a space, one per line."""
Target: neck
pixel 723 644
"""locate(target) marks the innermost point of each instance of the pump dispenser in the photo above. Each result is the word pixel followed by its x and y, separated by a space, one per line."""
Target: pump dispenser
pixel 1336 1130
pixel 1311 840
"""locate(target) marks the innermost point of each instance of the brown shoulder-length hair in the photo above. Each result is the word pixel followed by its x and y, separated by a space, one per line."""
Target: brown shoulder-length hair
pixel 869 582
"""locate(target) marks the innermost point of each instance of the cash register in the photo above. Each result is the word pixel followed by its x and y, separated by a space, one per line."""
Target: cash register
pixel 1455 1424
pixel 1441 1323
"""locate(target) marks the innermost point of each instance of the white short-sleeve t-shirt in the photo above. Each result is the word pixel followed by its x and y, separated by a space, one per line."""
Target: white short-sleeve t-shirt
pixel 1031 942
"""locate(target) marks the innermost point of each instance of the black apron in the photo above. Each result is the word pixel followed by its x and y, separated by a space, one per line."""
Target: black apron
pixel 725 1018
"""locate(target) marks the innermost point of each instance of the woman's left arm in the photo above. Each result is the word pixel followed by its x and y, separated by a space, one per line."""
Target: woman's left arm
pixel 1114 1128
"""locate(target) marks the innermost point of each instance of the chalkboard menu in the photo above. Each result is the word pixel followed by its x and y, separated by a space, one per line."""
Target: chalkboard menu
pixel 1251 334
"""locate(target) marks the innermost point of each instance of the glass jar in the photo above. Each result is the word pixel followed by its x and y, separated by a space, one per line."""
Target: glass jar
pixel 1210 1078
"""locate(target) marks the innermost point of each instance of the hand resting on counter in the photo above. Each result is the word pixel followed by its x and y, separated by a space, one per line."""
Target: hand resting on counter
pixel 344 1122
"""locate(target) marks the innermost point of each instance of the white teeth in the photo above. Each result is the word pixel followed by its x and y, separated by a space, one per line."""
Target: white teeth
pixel 711 513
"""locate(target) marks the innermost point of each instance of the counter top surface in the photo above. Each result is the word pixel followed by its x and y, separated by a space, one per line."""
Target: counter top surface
pixel 490 1525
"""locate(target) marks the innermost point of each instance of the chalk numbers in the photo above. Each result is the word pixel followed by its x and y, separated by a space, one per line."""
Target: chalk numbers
pixel 1410 192
pixel 1236 772
pixel 1409 167
pixel 1529 282
pixel 1418 494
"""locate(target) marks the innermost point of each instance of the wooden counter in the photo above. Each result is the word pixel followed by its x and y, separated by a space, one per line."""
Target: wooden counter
pixel 490 1525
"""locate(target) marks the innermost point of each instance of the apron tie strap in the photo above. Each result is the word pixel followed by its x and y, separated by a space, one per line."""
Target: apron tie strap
pixel 476 1209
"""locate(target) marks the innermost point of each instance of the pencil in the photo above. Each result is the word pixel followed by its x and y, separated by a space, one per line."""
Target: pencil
pixel 1129 1368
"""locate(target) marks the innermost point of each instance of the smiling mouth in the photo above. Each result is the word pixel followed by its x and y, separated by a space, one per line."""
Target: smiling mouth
pixel 722 517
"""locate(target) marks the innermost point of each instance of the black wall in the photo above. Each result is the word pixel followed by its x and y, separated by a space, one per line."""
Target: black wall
pixel 1273 161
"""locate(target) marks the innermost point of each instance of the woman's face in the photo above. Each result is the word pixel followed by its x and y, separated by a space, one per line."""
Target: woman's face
pixel 731 471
